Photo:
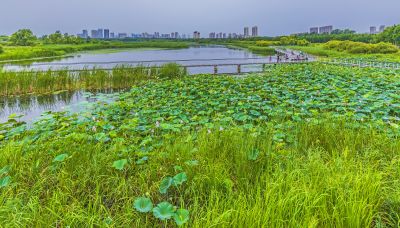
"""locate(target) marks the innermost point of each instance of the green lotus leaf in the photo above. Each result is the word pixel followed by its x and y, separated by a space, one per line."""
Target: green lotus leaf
pixel 181 216
pixel 5 181
pixel 60 158
pixel 192 163
pixel 142 160
pixel 165 184
pixel 178 168
pixel 179 178
pixel 120 164
pixel 253 155
pixel 143 204
pixel 5 170
pixel 164 211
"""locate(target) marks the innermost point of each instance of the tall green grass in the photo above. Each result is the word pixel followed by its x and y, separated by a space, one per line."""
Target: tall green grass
pixel 320 50
pixel 330 176
pixel 25 82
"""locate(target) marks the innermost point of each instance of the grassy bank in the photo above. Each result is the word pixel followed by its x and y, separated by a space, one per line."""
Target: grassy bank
pixel 319 50
pixel 52 50
pixel 251 47
pixel 300 145
pixel 40 82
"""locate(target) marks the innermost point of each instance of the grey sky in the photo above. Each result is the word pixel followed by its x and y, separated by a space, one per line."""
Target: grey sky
pixel 273 17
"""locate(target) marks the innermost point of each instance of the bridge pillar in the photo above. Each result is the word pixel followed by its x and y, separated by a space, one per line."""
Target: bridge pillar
pixel 239 69
pixel 215 69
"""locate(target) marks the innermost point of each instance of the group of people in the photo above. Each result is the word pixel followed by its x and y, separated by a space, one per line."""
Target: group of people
pixel 290 57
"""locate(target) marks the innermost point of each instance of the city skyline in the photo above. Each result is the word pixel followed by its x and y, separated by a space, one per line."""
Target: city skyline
pixel 273 17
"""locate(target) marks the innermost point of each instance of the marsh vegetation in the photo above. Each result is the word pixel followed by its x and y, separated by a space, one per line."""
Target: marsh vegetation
pixel 318 142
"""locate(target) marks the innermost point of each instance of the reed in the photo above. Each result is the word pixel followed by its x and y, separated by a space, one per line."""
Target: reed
pixel 40 82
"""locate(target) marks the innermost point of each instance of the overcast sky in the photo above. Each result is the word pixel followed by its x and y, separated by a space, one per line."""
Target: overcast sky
pixel 273 17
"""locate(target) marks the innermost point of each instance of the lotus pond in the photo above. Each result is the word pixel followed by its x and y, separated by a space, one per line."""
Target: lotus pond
pixel 300 145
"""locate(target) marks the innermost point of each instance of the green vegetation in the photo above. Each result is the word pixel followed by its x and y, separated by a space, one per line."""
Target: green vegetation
pixel 283 41
pixel 260 50
pixel 391 34
pixel 54 50
pixel 26 82
pixel 361 48
pixel 299 145
pixel 323 38
pixel 1 49
pixel 23 37
pixel 58 38
pixel 261 46
pixel 250 46
pixel 322 51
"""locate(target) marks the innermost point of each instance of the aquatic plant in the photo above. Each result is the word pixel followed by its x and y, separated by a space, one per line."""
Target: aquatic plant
pixel 302 145
pixel 123 76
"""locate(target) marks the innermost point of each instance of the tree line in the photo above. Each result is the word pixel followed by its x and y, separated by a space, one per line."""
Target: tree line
pixel 390 34
pixel 25 37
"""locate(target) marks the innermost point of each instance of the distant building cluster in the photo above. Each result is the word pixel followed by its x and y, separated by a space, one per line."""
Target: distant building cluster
pixel 246 34
pixel 196 35
pixel 321 30
pixel 374 30
pixel 329 30
pixel 106 34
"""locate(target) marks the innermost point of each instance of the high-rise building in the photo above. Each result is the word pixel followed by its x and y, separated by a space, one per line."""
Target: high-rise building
pixel 93 34
pixel 246 32
pixel 254 31
pixel 100 33
pixel 212 35
pixel 196 35
pixel 224 36
pixel 122 35
pixel 112 35
pixel 106 34
pixel 326 29
pixel 372 30
pixel 84 34
pixel 382 28
pixel 314 30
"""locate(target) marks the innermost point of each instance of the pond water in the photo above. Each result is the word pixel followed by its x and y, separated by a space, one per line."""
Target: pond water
pixel 31 107
pixel 199 55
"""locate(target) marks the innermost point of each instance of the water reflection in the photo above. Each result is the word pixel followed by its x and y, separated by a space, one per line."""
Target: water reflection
pixel 32 106
pixel 191 56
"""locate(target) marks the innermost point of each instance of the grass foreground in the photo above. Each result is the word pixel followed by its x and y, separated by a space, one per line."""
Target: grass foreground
pixel 299 145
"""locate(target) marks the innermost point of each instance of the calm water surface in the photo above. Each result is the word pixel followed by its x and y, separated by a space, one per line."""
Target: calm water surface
pixel 191 56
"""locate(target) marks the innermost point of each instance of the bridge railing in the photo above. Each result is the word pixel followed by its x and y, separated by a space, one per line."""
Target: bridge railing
pixel 362 63
pixel 156 64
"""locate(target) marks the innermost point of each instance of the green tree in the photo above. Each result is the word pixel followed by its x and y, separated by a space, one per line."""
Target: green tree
pixel 56 38
pixel 1 49
pixel 23 37
pixel 59 38
pixel 391 34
